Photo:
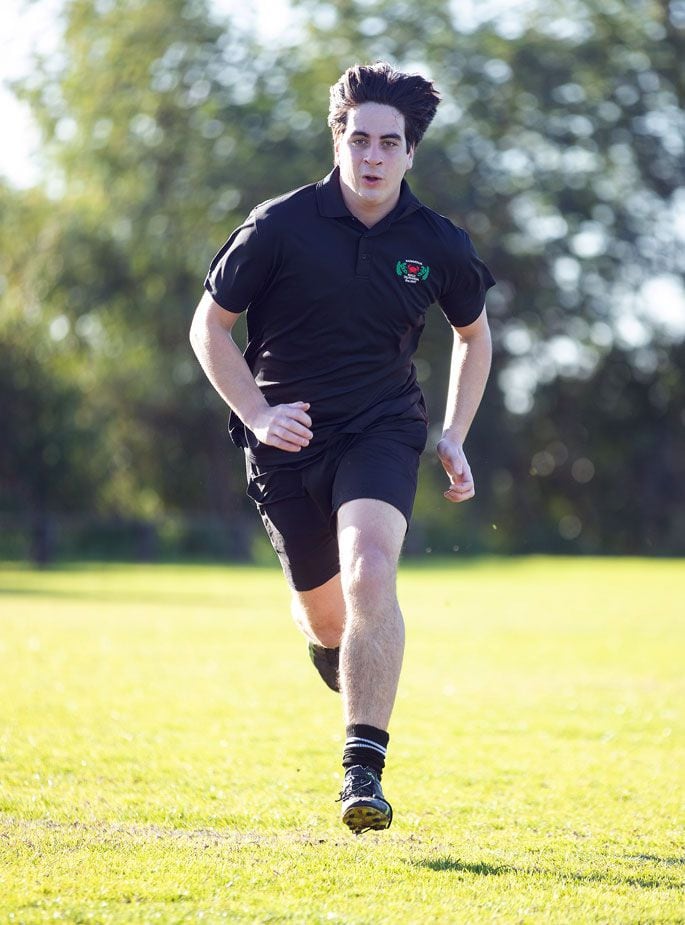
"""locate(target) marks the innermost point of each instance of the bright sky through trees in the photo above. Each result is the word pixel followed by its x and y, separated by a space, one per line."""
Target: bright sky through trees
pixel 559 147
pixel 25 27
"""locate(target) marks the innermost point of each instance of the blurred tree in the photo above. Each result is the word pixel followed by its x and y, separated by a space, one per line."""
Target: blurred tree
pixel 559 146
pixel 140 124
pixel 51 454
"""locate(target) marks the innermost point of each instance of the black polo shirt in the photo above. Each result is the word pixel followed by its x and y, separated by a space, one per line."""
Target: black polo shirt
pixel 335 310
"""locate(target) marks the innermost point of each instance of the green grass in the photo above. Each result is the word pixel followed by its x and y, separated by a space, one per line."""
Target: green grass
pixel 167 753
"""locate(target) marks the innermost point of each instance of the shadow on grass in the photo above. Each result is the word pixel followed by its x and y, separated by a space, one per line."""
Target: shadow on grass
pixel 611 877
pixel 655 859
pixel 481 868
pixel 643 883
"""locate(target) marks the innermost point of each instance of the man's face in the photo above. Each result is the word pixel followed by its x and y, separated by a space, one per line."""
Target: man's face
pixel 372 155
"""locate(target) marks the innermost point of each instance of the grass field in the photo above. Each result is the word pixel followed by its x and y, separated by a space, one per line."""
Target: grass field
pixel 167 753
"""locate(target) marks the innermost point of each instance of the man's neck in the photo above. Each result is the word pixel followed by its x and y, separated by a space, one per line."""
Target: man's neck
pixel 367 213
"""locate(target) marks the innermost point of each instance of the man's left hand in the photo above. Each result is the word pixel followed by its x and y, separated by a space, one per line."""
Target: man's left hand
pixel 455 464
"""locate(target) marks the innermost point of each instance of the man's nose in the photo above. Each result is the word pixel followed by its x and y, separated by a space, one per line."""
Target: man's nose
pixel 373 156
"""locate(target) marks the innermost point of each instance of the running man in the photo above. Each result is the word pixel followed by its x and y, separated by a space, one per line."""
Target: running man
pixel 336 279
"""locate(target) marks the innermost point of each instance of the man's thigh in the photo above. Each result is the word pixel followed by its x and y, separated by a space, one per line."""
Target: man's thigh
pixel 370 534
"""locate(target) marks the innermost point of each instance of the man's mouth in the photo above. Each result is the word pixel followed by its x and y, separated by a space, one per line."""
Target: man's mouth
pixel 371 179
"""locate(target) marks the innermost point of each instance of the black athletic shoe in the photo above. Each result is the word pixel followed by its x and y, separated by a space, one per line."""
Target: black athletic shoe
pixel 363 805
pixel 326 662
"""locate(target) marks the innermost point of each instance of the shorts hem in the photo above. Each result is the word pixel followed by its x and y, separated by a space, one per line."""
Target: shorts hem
pixel 374 497
pixel 307 585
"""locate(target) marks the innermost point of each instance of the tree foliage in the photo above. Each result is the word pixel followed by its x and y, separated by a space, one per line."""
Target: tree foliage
pixel 559 145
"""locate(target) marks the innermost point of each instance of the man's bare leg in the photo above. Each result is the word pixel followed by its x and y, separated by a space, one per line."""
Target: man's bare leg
pixel 320 613
pixel 358 608
pixel 358 611
pixel 370 537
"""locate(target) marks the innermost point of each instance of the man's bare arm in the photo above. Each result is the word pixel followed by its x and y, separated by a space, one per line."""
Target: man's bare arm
pixel 284 426
pixel 469 370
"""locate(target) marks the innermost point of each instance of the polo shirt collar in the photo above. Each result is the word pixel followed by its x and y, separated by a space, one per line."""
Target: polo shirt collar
pixel 332 205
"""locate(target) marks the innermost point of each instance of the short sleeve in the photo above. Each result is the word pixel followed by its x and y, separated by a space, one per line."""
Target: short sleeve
pixel 239 273
pixel 463 301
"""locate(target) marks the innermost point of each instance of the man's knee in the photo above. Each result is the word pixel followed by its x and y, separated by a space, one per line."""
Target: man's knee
pixel 369 569
pixel 325 625
pixel 370 535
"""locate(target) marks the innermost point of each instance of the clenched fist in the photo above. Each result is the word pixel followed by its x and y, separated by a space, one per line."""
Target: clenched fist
pixel 455 464
pixel 286 427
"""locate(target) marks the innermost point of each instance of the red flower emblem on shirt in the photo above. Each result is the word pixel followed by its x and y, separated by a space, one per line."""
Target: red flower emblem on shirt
pixel 412 271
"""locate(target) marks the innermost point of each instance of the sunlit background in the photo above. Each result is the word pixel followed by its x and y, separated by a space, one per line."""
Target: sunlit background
pixel 146 130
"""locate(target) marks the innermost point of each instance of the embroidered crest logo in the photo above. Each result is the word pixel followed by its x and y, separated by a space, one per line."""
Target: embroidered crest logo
pixel 412 271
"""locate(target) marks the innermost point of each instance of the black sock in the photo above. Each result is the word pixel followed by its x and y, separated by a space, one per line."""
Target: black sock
pixel 365 745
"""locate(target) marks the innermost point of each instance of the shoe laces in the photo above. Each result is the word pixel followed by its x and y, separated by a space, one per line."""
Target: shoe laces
pixel 358 783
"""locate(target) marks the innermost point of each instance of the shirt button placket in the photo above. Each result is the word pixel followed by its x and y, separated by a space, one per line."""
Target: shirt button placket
pixel 364 257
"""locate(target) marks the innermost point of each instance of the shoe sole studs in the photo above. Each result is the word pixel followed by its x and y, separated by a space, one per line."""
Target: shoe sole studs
pixel 362 818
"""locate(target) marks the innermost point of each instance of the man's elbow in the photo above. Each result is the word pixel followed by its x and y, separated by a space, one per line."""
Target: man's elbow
pixel 197 334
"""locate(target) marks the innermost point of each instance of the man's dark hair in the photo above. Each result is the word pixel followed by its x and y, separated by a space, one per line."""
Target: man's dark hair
pixel 412 95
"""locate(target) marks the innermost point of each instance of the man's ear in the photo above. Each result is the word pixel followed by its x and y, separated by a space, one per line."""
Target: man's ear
pixel 410 157
pixel 336 145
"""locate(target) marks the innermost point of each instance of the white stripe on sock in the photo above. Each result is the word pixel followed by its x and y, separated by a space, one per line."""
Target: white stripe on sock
pixel 365 743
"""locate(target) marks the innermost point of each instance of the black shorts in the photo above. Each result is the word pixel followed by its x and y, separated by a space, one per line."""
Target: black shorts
pixel 299 506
